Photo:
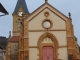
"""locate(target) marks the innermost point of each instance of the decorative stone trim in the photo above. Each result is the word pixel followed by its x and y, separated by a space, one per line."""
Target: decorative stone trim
pixel 54 45
pixel 46 14
pixel 47 20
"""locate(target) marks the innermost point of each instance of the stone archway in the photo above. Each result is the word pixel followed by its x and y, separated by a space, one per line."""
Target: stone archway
pixel 50 42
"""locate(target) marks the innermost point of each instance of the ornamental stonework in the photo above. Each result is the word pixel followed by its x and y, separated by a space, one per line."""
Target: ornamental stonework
pixel 69 28
pixel 71 42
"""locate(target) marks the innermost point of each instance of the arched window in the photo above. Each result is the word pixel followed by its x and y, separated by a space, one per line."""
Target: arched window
pixel 19 24
pixel 47 40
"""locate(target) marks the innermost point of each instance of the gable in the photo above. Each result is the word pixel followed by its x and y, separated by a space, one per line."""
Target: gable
pixel 36 23
pixel 41 8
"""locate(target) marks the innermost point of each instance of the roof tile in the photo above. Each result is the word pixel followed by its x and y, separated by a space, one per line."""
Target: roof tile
pixel 14 39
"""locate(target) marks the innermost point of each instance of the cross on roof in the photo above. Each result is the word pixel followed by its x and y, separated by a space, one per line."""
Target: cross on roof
pixel 46 0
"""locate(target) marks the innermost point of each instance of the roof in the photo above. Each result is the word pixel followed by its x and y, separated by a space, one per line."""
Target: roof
pixel 3 42
pixel 46 7
pixel 14 39
pixel 24 6
pixel 2 9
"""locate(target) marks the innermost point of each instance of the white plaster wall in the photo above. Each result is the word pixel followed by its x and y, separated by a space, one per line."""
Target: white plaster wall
pixel 33 54
pixel 60 36
pixel 33 38
pixel 63 54
pixel 36 23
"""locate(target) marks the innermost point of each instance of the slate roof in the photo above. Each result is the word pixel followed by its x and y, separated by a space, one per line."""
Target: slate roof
pixel 3 42
pixel 24 6
pixel 2 9
pixel 14 39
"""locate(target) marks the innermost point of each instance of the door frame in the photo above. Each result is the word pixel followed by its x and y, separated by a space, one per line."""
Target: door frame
pixel 54 45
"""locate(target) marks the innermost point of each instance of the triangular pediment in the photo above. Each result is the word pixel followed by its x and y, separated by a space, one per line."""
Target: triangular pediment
pixel 48 6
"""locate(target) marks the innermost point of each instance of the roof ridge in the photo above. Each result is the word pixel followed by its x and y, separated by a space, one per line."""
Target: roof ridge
pixel 50 6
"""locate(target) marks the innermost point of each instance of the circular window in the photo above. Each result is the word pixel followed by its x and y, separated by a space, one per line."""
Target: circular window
pixel 46 24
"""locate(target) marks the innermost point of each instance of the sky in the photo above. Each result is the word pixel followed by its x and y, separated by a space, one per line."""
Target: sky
pixel 64 6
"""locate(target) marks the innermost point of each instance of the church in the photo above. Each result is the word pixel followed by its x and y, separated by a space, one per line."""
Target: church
pixel 44 34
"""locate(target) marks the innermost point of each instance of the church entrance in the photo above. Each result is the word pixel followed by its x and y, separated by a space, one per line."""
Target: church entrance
pixel 48 47
pixel 47 53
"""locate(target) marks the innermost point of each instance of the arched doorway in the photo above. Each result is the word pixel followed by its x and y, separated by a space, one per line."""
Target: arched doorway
pixel 48 47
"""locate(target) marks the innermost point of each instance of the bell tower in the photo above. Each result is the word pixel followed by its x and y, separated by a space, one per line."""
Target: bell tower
pixel 21 11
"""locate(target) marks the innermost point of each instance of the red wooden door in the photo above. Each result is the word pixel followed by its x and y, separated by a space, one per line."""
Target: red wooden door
pixel 47 53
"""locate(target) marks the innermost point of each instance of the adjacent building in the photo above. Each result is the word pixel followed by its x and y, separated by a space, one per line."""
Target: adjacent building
pixel 3 40
pixel 79 52
pixel 3 10
pixel 77 49
pixel 44 34
pixel 3 44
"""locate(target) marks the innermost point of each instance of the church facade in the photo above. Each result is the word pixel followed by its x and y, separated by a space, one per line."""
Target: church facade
pixel 45 34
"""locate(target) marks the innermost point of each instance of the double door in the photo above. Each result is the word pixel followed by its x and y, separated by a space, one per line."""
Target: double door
pixel 47 53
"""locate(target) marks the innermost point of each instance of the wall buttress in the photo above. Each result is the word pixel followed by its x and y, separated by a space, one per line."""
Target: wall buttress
pixel 23 42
